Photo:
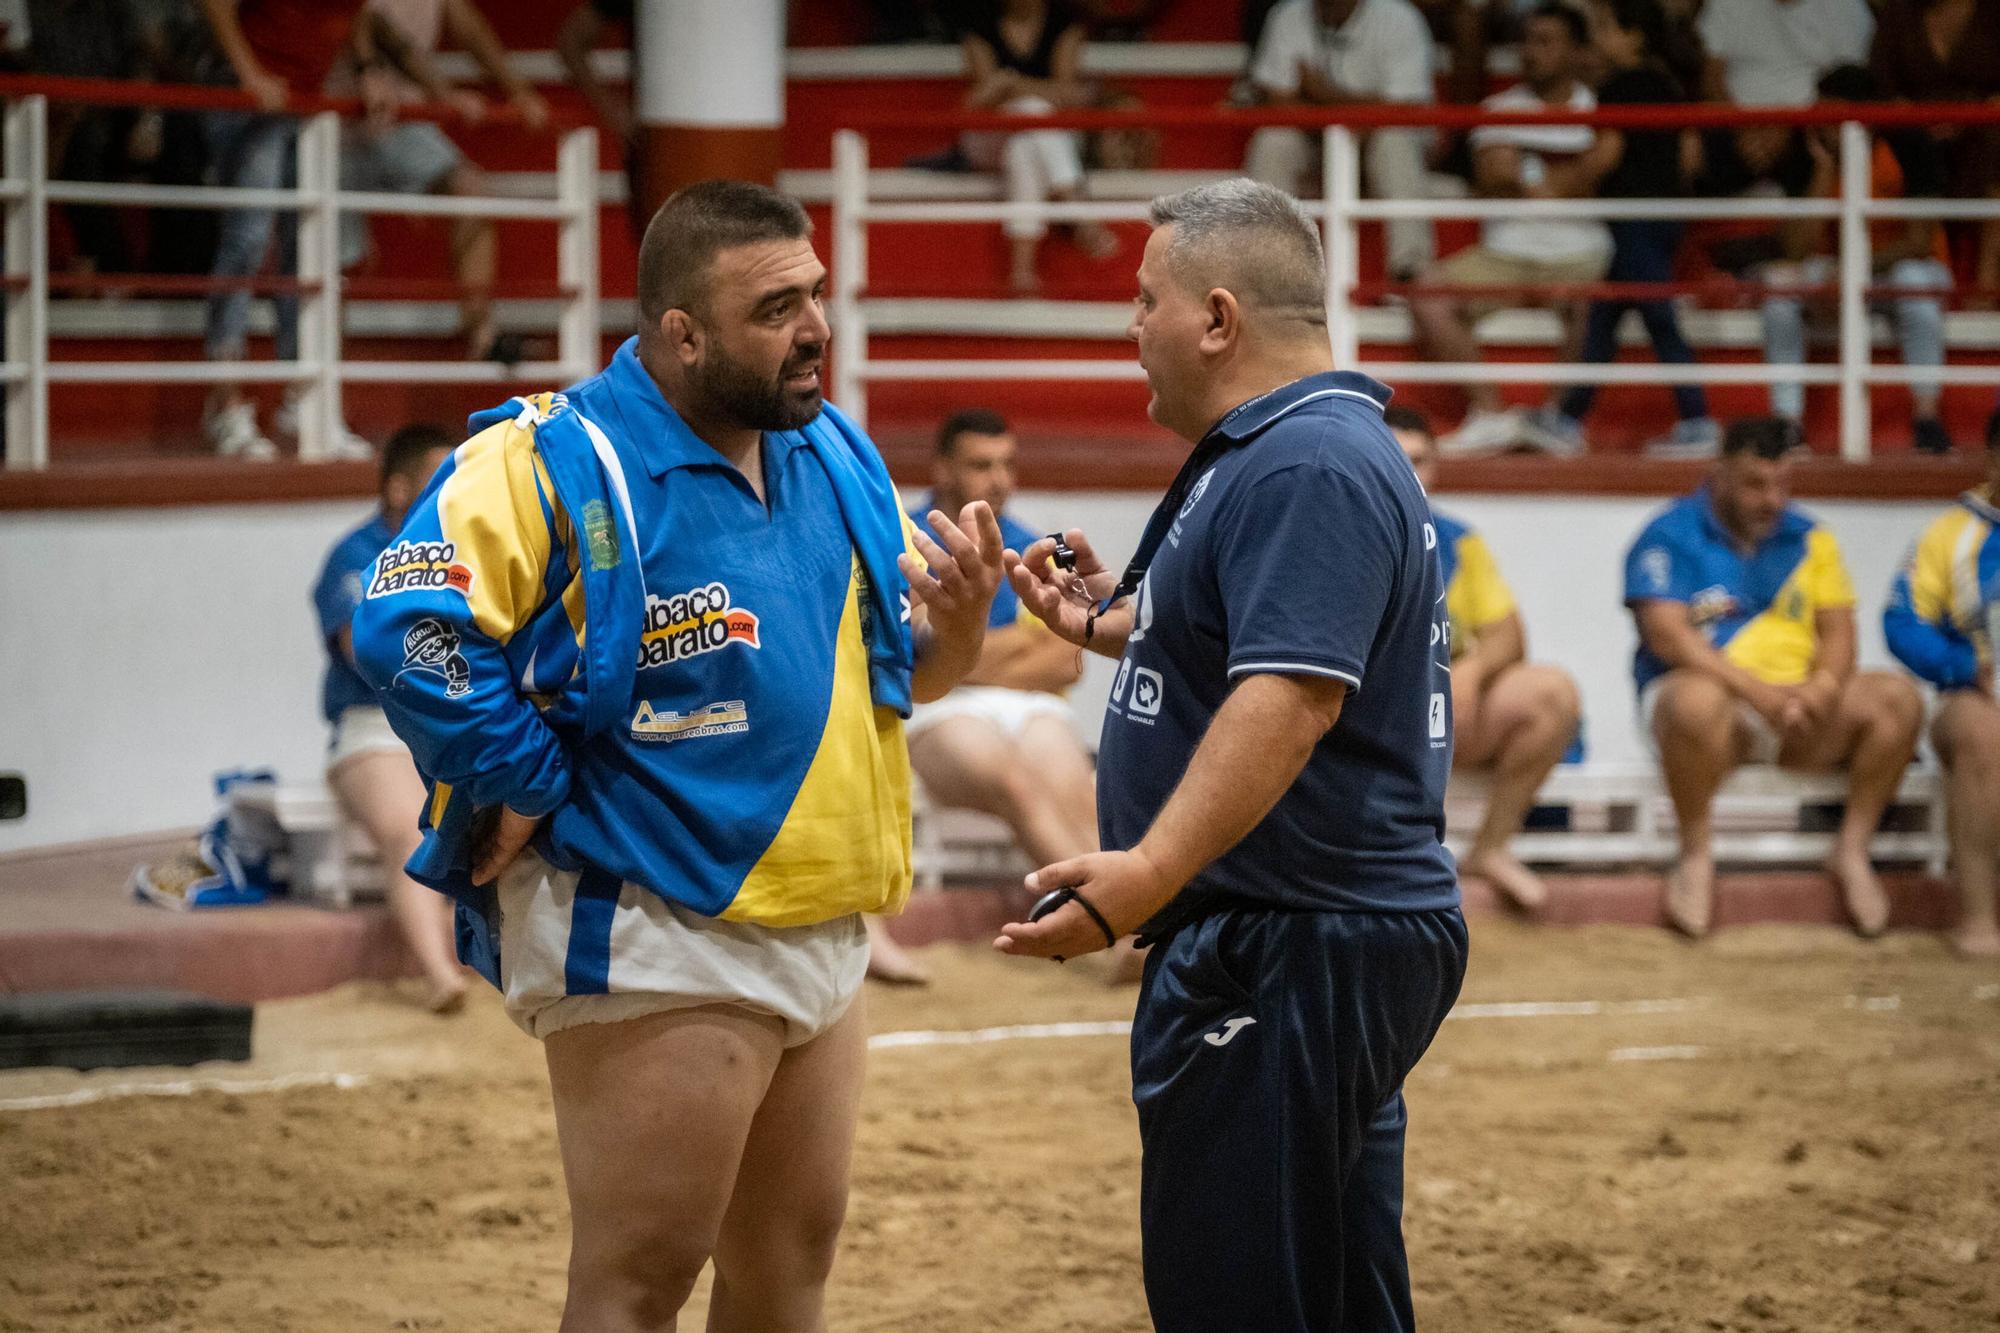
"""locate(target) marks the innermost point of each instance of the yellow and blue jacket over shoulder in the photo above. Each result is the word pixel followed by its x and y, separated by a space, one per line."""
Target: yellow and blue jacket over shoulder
pixel 1936 618
pixel 1760 606
pixel 591 616
pixel 1475 596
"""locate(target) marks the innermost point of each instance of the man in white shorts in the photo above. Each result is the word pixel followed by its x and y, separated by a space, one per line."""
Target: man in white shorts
pixel 395 42
pixel 367 765
pixel 652 641
pixel 1747 655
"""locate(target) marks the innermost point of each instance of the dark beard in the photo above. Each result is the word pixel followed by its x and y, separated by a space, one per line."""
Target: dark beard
pixel 738 393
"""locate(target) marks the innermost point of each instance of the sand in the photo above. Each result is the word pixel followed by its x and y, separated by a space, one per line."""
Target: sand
pixel 1808 1140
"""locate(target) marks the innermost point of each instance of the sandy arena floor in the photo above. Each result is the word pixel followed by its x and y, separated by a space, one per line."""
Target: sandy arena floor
pixel 1808 1138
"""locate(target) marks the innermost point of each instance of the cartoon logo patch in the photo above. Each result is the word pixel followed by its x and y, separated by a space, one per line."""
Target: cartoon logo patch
pixel 432 646
pixel 411 566
pixel 688 624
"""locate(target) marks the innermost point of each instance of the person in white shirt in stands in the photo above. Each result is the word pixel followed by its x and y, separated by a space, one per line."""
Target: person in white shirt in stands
pixel 1774 53
pixel 1521 162
pixel 1329 52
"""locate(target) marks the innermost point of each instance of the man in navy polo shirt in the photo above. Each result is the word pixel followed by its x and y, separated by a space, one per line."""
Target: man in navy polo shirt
pixel 1270 785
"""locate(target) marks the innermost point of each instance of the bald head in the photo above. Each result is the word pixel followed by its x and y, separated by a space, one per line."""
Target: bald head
pixel 1253 241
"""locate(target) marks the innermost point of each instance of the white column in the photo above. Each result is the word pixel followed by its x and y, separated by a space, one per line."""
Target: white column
pixel 27 231
pixel 709 90
pixel 1856 264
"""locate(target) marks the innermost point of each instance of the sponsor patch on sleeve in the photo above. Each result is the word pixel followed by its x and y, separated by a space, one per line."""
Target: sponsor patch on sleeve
pixel 418 566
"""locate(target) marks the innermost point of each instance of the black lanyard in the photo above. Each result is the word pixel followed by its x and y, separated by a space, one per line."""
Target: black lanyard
pixel 1212 447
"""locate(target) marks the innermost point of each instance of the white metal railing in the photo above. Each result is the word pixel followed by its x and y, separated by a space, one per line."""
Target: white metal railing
pixel 1341 211
pixel 320 372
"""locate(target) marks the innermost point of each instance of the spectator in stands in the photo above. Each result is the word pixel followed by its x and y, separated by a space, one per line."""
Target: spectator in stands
pixel 367 766
pixel 1024 57
pixel 272 49
pixel 1333 52
pixel 1515 162
pixel 1510 718
pixel 1746 655
pixel 1002 742
pixel 1939 624
pixel 89 39
pixel 1908 254
pixel 392 68
pixel 1635 164
pixel 1772 53
pixel 575 40
pixel 1949 51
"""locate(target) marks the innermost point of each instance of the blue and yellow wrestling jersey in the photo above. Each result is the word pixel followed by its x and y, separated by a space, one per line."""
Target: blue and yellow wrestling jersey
pixel 335 596
pixel 1936 618
pixel 1475 596
pixel 591 616
pixel 1758 607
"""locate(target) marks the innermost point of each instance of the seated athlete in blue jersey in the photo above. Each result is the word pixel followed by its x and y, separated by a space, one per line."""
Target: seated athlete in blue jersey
pixel 1936 624
pixel 1746 655
pixel 368 766
pixel 1509 717
pixel 1002 741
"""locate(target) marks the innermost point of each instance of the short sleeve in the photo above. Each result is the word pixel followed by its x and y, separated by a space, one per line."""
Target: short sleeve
pixel 1655 571
pixel 1488 599
pixel 1717 37
pixel 1827 585
pixel 1275 69
pixel 1295 601
pixel 336 595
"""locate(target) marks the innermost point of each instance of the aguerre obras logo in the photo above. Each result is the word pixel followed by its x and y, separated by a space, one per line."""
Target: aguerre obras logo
pixel 413 566
pixel 431 646
pixel 688 624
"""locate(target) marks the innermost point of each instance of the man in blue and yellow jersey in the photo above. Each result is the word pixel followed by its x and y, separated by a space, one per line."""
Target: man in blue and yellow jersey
pixel 1746 655
pixel 368 766
pixel 1511 718
pixel 652 640
pixel 1937 626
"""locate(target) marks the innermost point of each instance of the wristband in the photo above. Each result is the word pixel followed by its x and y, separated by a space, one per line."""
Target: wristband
pixel 1054 899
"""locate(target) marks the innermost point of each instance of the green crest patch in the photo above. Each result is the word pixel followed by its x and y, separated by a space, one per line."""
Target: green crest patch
pixel 600 537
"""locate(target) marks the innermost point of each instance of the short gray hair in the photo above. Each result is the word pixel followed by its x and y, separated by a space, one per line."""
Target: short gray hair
pixel 1252 239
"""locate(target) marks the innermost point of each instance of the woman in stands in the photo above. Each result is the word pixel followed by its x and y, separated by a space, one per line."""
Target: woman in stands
pixel 1632 40
pixel 1024 57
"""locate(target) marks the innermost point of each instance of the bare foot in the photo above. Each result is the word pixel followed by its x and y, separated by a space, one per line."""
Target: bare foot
pixel 1096 240
pixel 445 997
pixel 1977 939
pixel 1867 903
pixel 888 961
pixel 1690 895
pixel 1517 884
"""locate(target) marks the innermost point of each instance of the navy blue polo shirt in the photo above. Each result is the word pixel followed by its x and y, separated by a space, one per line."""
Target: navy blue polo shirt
pixel 1307 548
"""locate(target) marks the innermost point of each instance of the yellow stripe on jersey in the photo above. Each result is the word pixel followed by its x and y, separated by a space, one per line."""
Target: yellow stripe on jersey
pixel 845 843
pixel 1478 597
pixel 1944 574
pixel 1779 644
pixel 490 510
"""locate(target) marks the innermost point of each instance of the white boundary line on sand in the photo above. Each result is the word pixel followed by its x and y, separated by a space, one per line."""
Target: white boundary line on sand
pixel 184 1088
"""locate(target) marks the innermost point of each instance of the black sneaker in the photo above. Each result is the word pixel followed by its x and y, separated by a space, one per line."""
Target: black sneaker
pixel 1930 436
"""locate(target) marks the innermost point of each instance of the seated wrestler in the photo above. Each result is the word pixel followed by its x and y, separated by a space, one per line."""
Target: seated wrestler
pixel 367 765
pixel 1510 717
pixel 1003 742
pixel 1937 626
pixel 1746 655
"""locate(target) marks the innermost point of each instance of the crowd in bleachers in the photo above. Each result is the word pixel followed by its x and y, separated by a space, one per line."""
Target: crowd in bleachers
pixel 1025 57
